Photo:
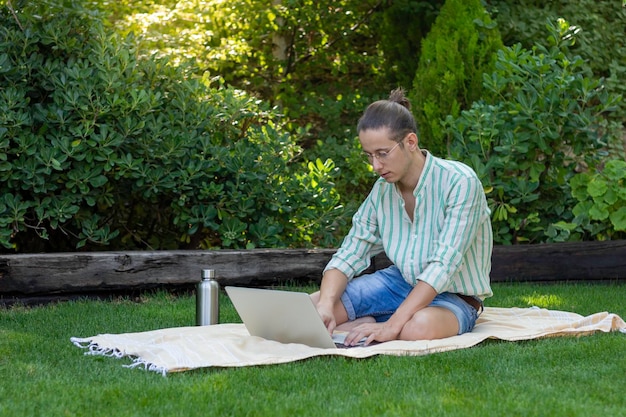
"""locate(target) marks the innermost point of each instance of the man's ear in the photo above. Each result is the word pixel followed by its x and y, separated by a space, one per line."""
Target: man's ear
pixel 412 142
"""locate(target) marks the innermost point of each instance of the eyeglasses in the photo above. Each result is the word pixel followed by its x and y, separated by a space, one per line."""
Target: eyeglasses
pixel 380 155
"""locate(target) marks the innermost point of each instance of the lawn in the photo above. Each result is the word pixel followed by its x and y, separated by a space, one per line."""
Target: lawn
pixel 43 374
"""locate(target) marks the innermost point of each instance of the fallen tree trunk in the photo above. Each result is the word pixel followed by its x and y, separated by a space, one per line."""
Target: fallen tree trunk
pixel 572 261
pixel 72 273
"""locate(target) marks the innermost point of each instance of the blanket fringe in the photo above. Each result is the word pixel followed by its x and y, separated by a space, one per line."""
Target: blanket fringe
pixel 147 366
pixel 93 349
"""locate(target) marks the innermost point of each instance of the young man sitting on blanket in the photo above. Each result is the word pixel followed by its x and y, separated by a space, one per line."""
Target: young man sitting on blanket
pixel 431 218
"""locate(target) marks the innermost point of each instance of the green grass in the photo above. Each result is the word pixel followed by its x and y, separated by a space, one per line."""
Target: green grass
pixel 43 374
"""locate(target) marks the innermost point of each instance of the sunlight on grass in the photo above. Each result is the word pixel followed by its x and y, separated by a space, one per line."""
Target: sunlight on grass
pixel 544 300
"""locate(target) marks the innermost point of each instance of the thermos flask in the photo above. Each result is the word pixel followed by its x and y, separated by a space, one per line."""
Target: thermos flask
pixel 207 299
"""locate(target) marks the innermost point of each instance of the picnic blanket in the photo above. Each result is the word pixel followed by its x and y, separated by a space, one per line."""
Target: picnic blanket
pixel 230 345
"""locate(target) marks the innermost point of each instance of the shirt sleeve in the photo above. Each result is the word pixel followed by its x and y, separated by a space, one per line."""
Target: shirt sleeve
pixel 465 210
pixel 361 243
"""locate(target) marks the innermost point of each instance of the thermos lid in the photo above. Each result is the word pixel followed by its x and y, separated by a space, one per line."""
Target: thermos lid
pixel 208 273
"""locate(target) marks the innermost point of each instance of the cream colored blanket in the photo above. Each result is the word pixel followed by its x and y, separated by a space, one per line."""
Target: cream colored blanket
pixel 230 345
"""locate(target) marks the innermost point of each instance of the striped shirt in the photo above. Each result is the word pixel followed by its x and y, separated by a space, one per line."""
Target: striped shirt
pixel 447 245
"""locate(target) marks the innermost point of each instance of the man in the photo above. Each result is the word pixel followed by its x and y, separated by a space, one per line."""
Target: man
pixel 430 217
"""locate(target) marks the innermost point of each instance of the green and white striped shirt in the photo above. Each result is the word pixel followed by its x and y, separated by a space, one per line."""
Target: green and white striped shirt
pixel 447 245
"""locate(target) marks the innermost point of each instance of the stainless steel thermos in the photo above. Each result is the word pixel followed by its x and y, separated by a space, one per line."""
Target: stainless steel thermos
pixel 207 299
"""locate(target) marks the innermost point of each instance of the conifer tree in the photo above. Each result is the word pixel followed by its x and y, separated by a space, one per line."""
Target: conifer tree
pixel 460 47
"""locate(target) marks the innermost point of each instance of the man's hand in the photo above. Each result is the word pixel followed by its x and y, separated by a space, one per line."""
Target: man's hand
pixel 380 332
pixel 419 298
pixel 326 313
pixel 328 298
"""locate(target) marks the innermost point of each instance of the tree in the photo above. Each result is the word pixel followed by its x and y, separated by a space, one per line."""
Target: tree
pixel 460 47
pixel 405 24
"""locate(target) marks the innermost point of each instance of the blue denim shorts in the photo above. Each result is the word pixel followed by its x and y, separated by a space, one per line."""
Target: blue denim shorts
pixel 380 294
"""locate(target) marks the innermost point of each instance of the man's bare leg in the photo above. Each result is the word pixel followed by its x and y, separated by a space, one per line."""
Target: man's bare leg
pixel 430 323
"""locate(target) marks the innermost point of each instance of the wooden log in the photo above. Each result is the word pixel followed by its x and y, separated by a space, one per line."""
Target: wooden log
pixel 66 273
pixel 98 271
pixel 570 261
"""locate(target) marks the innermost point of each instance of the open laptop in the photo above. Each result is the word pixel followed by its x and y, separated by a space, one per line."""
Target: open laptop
pixel 283 316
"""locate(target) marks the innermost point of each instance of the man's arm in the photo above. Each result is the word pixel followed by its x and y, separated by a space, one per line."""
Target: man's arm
pixel 420 297
pixel 329 305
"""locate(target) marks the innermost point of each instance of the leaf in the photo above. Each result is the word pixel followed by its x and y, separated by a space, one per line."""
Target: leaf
pixel 578 184
pixel 615 170
pixel 598 212
pixel 56 164
pixel 610 197
pixel 582 209
pixel 98 181
pixel 597 187
pixel 618 219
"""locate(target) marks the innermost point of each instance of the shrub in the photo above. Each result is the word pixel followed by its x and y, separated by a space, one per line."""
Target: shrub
pixel 456 52
pixel 317 61
pixel 600 42
pixel 339 142
pixel 101 147
pixel 600 213
pixel 542 122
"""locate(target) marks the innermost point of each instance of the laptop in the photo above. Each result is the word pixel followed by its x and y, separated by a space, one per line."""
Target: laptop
pixel 283 316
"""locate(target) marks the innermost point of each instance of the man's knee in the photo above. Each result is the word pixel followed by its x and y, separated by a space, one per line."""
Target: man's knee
pixel 429 324
pixel 418 328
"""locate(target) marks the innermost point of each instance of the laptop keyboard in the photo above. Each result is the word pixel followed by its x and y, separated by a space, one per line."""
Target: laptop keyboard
pixel 340 337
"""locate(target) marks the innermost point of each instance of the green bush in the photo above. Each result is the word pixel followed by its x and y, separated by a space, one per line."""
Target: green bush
pixel 600 213
pixel 317 62
pixel 600 41
pixel 543 121
pixel 99 146
pixel 339 142
pixel 460 47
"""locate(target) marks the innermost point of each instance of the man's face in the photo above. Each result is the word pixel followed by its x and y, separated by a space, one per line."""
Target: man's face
pixel 384 154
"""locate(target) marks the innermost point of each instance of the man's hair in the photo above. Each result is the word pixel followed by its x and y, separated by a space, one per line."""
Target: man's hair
pixel 393 113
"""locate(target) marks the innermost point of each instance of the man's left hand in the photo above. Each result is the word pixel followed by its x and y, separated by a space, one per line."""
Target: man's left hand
pixel 380 332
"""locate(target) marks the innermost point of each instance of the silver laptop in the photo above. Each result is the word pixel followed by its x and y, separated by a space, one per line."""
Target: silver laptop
pixel 283 316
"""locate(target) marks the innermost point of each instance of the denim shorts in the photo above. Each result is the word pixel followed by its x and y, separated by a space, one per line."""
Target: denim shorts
pixel 380 294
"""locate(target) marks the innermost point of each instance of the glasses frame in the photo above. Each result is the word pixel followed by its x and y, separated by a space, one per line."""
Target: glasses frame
pixel 380 156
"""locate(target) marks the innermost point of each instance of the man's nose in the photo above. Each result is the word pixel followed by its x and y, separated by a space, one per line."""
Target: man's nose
pixel 376 164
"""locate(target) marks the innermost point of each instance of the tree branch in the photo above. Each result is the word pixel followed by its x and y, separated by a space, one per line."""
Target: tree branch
pixel 12 10
pixel 354 27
